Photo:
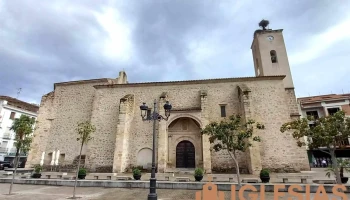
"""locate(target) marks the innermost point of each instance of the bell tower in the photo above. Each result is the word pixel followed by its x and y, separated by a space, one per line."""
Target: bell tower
pixel 270 55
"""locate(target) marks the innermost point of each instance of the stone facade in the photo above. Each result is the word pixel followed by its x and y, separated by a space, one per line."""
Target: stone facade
pixel 122 139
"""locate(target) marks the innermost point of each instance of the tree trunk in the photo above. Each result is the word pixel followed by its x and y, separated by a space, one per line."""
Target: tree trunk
pixel 14 173
pixel 76 175
pixel 335 165
pixel 237 166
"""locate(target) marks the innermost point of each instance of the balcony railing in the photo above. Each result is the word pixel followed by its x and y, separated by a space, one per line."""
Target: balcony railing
pixel 7 136
pixel 345 142
pixel 7 150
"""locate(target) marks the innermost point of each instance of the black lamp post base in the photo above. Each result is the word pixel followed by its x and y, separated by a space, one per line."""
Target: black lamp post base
pixel 152 196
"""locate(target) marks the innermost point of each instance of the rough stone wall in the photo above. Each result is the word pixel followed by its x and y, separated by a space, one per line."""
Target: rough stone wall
pixel 72 104
pixel 42 131
pixel 222 162
pixel 76 103
pixel 100 150
pixel 186 96
pixel 270 107
pixel 291 101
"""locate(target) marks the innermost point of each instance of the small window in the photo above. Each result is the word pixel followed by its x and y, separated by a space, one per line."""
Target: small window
pixel 332 111
pixel 12 116
pixel 273 56
pixel 149 113
pixel 312 114
pixel 223 110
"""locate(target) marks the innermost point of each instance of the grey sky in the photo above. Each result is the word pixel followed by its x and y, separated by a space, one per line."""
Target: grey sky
pixel 44 42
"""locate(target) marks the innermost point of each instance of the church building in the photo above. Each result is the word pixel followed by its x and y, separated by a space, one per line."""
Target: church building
pixel 122 140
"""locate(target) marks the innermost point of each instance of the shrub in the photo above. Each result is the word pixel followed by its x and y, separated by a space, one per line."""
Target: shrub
pixel 264 172
pixel 82 171
pixel 198 172
pixel 37 168
pixel 136 171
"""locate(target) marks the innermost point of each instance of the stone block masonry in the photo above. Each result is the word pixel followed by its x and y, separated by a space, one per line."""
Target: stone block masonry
pixel 121 133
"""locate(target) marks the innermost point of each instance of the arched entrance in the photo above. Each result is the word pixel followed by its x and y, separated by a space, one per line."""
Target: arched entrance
pixel 185 155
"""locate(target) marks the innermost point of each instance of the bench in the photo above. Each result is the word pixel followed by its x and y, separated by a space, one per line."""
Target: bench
pixel 302 177
pixel 20 170
pixel 101 176
pixel 250 180
pixel 27 175
pixel 68 177
pixel 125 178
pixel 324 181
pixel 50 175
pixel 216 178
pixel 183 179
pixel 163 177
pixel 166 178
pixel 6 173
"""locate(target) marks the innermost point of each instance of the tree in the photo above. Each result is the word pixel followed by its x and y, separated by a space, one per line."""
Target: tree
pixel 343 165
pixel 327 132
pixel 264 23
pixel 23 128
pixel 232 135
pixel 84 129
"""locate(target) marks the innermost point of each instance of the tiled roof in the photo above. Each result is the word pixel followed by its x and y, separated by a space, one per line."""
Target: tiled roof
pixel 328 97
pixel 20 104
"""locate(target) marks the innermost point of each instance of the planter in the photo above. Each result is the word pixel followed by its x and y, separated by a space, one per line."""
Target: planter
pixel 198 178
pixel 137 177
pixel 81 176
pixel 36 175
pixel 265 179
pixel 344 180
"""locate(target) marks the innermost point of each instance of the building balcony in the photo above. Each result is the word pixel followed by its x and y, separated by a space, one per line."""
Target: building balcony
pixel 345 142
pixel 7 150
pixel 7 136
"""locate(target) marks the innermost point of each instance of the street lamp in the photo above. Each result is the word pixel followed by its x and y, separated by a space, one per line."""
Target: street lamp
pixel 154 117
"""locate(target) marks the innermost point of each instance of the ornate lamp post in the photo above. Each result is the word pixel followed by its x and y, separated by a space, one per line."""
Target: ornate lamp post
pixel 155 116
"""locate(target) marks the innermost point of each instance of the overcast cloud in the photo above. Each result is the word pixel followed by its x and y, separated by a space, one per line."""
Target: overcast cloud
pixel 44 42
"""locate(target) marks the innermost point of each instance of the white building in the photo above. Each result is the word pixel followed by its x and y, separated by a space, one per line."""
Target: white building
pixel 11 108
pixel 322 106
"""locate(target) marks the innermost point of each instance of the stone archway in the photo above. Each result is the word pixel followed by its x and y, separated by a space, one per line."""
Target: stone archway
pixel 184 141
pixel 185 155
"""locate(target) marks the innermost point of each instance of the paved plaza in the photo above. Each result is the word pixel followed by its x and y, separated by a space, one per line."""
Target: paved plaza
pixel 38 192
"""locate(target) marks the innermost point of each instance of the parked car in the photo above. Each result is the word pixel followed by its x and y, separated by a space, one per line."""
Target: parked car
pixel 4 164
pixel 10 160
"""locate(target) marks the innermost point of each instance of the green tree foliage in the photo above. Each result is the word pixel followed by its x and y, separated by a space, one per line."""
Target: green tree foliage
pixel 23 128
pixel 232 135
pixel 84 130
pixel 327 132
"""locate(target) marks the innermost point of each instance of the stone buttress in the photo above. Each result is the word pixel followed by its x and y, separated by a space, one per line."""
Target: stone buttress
pixel 253 152
pixel 121 153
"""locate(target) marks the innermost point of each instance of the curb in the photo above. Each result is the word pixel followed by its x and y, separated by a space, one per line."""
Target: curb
pixel 169 185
